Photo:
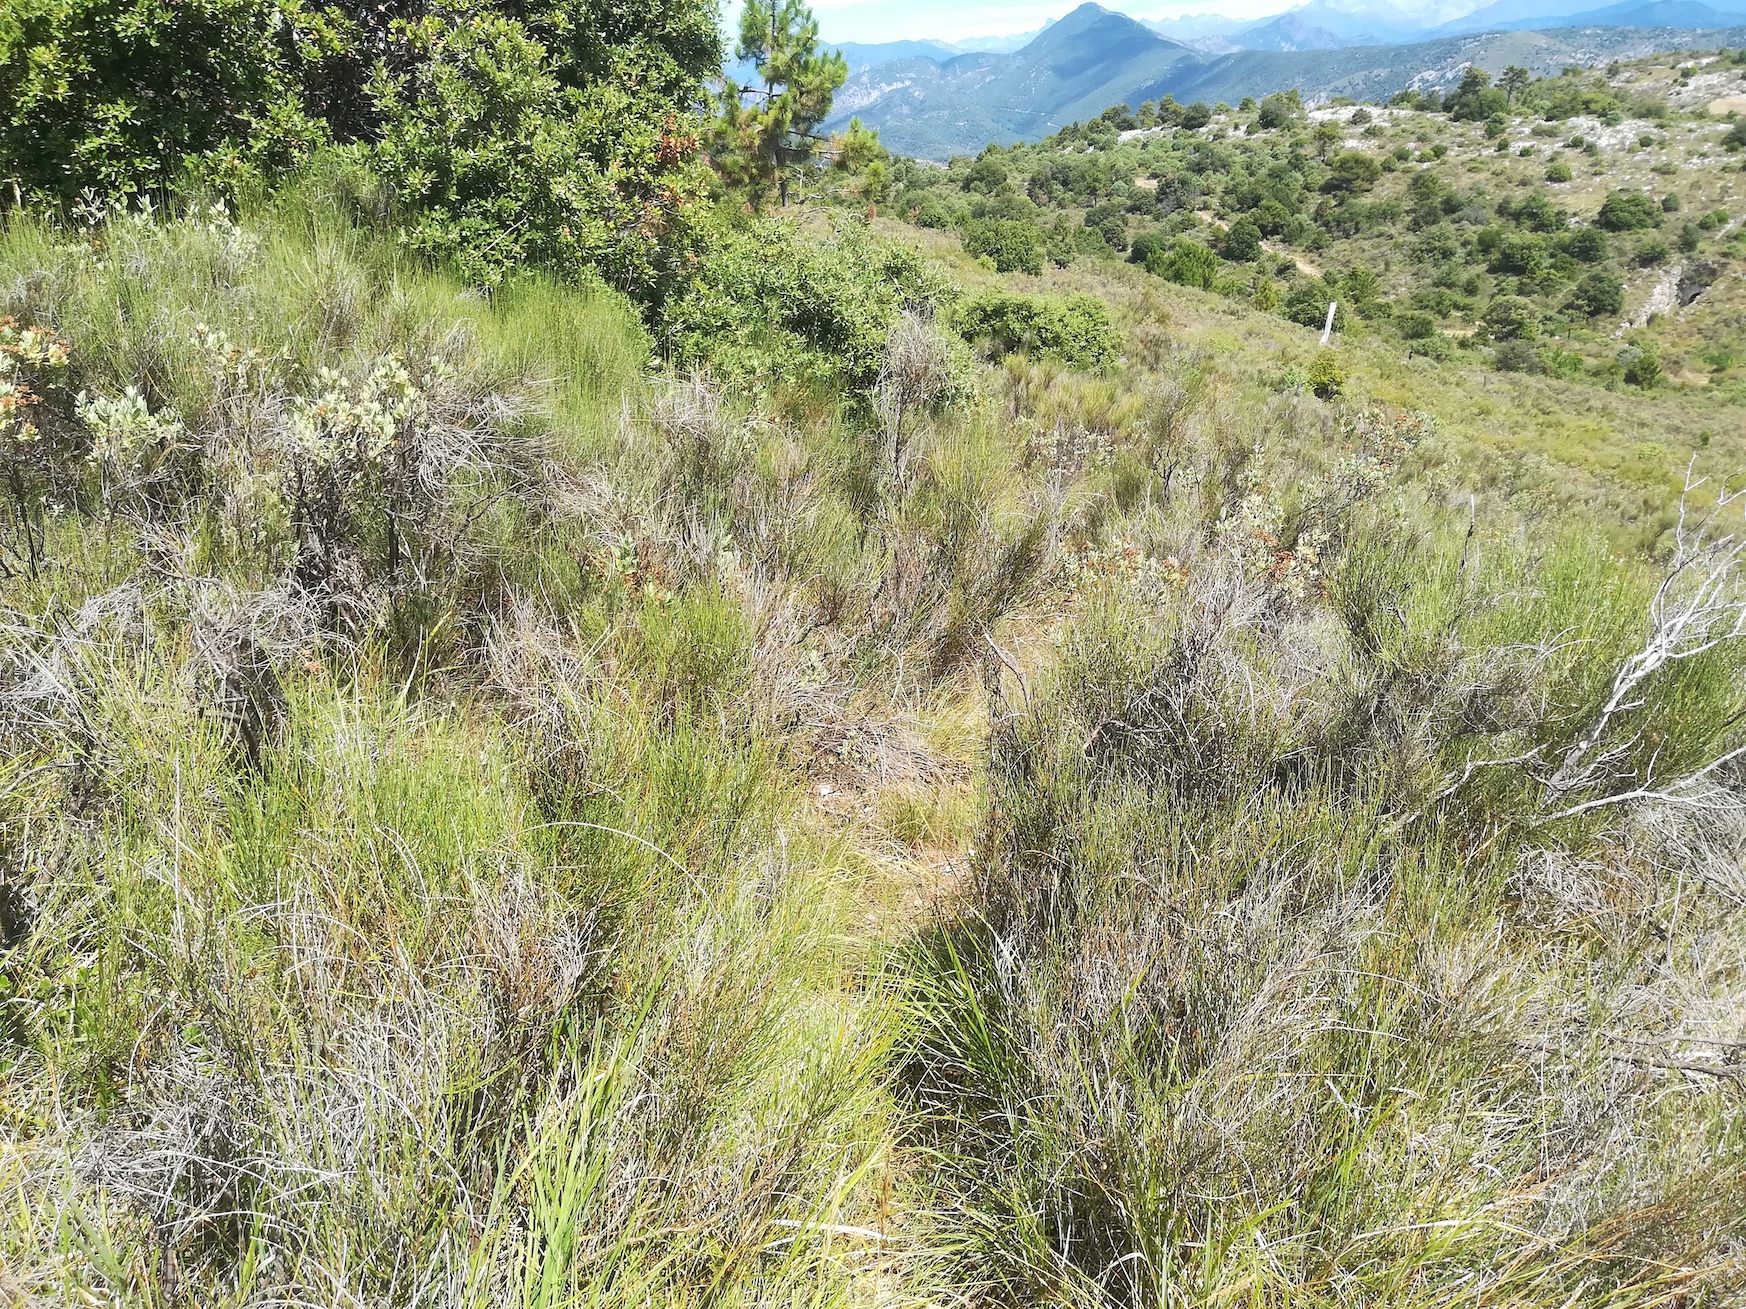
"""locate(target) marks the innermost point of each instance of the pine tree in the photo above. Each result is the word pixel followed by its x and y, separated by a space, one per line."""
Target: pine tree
pixel 764 135
pixel 1514 81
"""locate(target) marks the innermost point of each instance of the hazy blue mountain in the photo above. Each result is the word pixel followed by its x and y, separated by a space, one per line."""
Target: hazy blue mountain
pixel 1377 72
pixel 1193 27
pixel 863 55
pixel 1066 73
pixel 1216 44
pixel 1637 13
pixel 1360 24
pixel 1506 15
pixel 1289 32
pixel 1001 45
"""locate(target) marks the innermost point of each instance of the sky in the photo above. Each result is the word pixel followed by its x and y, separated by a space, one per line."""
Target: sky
pixel 954 20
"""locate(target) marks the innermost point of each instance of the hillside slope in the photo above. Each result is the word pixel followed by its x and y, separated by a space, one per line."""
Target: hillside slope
pixel 935 748
pixel 1094 59
pixel 751 845
pixel 1442 238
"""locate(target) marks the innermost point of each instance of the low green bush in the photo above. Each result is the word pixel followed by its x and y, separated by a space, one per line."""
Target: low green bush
pixel 1185 262
pixel 1014 246
pixel 1641 364
pixel 1652 253
pixel 1517 357
pixel 764 303
pixel 1511 318
pixel 1073 328
pixel 1415 325
pixel 1308 300
pixel 1327 377
pixel 1628 211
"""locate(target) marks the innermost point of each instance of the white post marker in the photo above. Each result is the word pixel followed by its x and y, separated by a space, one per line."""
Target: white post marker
pixel 1328 327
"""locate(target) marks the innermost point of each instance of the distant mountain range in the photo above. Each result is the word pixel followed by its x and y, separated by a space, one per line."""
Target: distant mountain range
pixel 868 54
pixel 935 103
pixel 1544 15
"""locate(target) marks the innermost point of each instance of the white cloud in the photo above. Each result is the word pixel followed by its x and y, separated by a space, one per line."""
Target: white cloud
pixel 900 20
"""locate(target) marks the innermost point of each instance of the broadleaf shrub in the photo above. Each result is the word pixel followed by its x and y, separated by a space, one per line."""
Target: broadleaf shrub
pixel 1628 211
pixel 138 96
pixel 1326 376
pixel 1015 247
pixel 1074 328
pixel 1511 318
pixel 1598 293
pixel 498 165
pixel 1307 303
pixel 765 303
pixel 1187 263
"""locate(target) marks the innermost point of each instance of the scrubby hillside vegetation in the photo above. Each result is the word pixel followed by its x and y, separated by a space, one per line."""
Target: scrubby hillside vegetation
pixel 567 741
pixel 1585 227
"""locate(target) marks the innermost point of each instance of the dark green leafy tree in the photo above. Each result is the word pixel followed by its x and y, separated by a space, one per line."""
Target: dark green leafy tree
pixel 1278 110
pixel 1146 245
pixel 131 96
pixel 1587 245
pixel 1363 288
pixel 765 134
pixel 512 132
pixel 1511 318
pixel 1476 99
pixel 1308 300
pixel 664 49
pixel 498 163
pixel 1520 254
pixel 1352 172
pixel 1242 242
pixel 1514 81
pixel 986 176
pixel 1416 325
pixel 1599 294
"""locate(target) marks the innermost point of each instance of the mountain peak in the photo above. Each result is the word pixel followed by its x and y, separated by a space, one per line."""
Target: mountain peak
pixel 1092 22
